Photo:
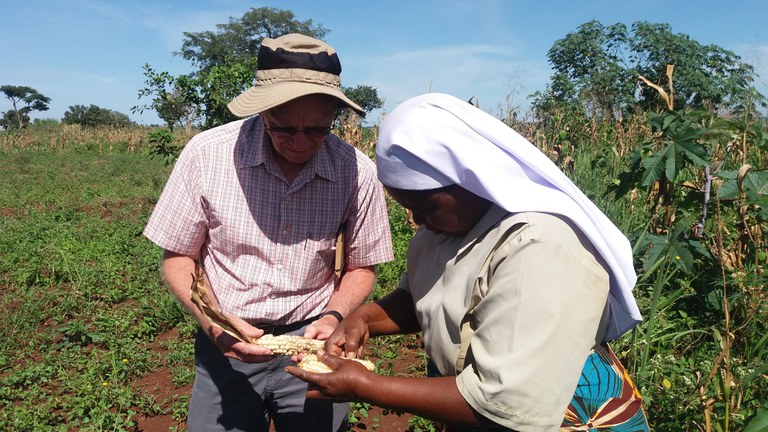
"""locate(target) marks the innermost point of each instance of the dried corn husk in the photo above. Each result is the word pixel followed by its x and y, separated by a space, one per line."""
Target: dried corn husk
pixel 203 298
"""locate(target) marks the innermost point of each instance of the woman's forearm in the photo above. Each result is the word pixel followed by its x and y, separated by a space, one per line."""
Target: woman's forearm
pixel 433 398
pixel 392 314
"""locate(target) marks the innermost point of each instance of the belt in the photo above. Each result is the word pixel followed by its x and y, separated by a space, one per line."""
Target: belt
pixel 279 329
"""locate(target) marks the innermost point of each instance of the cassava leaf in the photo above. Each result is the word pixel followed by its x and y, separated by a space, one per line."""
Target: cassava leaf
pixel 654 167
pixel 693 151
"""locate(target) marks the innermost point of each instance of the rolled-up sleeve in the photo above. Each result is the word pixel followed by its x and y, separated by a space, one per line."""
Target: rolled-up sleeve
pixel 370 240
pixel 178 222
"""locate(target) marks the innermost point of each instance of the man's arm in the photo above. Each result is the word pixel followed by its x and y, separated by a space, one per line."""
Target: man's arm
pixel 354 288
pixel 178 273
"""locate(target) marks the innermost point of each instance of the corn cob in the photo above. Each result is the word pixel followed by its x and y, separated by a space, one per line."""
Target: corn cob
pixel 289 345
pixel 310 363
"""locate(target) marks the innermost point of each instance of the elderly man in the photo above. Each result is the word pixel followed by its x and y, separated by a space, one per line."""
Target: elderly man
pixel 258 203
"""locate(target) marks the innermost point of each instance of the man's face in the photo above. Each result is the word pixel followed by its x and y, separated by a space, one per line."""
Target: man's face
pixel 298 128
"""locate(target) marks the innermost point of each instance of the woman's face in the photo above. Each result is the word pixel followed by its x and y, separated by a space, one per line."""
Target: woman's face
pixel 451 210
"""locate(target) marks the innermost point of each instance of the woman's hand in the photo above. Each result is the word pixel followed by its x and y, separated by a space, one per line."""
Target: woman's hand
pixel 349 337
pixel 339 385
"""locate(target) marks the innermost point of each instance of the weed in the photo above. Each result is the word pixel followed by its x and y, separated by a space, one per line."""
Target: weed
pixel 419 424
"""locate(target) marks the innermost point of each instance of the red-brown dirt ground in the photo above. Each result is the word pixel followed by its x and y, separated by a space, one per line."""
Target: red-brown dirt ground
pixel 159 385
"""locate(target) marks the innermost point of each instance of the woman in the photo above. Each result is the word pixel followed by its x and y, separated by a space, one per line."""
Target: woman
pixel 516 279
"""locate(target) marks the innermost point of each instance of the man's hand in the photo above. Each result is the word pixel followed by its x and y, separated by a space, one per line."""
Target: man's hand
pixel 321 328
pixel 234 348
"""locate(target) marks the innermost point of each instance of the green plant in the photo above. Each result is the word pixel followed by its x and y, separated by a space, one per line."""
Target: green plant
pixel 85 296
pixel 419 424
pixel 388 274
pixel 358 411
pixel 161 146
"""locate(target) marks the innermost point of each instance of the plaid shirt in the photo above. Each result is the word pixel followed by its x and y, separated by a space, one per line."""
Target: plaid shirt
pixel 267 245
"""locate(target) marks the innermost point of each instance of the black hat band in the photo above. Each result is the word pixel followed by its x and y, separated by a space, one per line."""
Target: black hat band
pixel 284 59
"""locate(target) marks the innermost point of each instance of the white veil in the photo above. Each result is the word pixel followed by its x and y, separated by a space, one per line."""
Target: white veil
pixel 435 140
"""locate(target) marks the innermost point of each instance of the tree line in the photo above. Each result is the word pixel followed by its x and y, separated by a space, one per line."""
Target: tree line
pixel 605 71
pixel 26 99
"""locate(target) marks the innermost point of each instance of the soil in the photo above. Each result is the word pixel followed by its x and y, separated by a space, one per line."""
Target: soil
pixel 159 385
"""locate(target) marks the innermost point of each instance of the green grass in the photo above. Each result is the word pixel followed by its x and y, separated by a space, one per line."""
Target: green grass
pixel 82 298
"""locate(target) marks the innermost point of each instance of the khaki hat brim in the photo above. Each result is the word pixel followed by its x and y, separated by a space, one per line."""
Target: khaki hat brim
pixel 258 99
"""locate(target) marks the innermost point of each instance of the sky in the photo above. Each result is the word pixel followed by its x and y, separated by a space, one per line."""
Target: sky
pixel 83 52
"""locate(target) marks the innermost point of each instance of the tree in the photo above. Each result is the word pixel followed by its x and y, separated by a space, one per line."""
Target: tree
pixel 92 116
pixel 31 99
pixel 239 40
pixel 365 96
pixel 173 98
pixel 706 76
pixel 602 66
pixel 9 120
pixel 591 61
pixel 226 62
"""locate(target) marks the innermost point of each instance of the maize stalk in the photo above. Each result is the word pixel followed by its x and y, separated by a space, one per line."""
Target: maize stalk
pixel 311 363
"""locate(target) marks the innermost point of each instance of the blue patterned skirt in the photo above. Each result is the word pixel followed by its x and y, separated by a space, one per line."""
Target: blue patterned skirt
pixel 605 400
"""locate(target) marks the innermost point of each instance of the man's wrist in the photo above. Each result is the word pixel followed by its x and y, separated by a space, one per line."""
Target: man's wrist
pixel 333 313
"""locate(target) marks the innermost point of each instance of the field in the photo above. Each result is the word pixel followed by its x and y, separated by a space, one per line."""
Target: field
pixel 91 340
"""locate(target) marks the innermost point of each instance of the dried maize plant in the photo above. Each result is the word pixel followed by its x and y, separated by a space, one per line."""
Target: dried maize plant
pixel 279 345
pixel 662 193
pixel 311 363
pixel 749 231
pixel 203 299
pixel 669 98
pixel 351 132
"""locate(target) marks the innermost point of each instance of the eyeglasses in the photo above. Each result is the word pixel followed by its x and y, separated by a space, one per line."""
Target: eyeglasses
pixel 289 132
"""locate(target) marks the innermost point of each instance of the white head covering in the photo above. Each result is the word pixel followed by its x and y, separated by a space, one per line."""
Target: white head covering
pixel 436 140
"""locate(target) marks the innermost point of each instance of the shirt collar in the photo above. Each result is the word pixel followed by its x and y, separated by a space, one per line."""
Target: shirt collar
pixel 490 219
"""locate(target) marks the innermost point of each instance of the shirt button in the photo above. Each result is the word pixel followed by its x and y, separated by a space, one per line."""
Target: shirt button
pixel 279 267
pixel 272 296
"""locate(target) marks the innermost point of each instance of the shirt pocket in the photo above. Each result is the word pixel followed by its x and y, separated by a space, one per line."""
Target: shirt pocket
pixel 318 257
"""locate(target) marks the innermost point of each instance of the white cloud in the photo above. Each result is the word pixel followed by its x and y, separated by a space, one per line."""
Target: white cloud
pixel 757 56
pixel 493 74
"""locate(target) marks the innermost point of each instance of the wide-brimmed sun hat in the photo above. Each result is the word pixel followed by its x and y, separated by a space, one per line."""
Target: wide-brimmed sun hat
pixel 292 66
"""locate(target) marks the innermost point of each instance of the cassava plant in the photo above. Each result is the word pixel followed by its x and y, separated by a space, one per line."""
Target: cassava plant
pixel 702 252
